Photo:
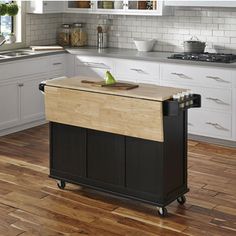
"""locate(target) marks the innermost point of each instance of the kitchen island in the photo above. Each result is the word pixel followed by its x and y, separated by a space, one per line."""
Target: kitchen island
pixel 129 143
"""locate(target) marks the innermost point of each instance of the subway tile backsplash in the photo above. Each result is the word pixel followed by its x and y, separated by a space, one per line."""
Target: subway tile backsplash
pixel 216 26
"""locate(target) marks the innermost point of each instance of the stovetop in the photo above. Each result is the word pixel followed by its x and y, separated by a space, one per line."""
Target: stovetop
pixel 208 57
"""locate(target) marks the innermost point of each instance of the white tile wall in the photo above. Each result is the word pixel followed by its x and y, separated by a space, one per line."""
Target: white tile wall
pixel 41 29
pixel 217 26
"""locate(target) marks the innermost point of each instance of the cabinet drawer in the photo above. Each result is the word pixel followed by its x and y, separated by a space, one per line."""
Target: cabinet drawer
pixel 212 98
pixel 92 66
pixel 208 123
pixel 94 62
pixel 210 77
pixel 139 71
pixel 24 67
pixel 57 62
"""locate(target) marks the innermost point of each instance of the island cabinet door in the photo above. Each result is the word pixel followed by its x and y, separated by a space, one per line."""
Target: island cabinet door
pixel 106 158
pixel 68 151
pixel 144 168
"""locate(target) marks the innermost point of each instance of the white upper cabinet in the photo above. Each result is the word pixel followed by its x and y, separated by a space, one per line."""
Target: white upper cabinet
pixel 126 7
pixel 201 3
pixel 43 7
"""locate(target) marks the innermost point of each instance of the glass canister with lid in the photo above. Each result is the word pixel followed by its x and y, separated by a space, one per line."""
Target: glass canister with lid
pixel 78 35
pixel 64 35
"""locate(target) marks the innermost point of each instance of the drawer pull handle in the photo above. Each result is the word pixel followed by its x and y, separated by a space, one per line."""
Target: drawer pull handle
pixel 139 71
pixel 96 65
pixel 217 126
pixel 218 79
pixel 56 63
pixel 20 85
pixel 182 76
pixel 218 101
pixel 190 124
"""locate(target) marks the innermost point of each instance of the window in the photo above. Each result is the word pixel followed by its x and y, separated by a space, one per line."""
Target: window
pixel 6 23
pixel 14 25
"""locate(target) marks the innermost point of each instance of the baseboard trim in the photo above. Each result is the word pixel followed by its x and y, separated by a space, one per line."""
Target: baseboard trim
pixel 205 139
pixel 22 127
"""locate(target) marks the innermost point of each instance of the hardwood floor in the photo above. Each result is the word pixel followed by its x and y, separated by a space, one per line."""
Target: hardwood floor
pixel 31 204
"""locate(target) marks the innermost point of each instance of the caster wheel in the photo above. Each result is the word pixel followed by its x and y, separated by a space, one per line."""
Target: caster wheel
pixel 181 200
pixel 61 184
pixel 162 211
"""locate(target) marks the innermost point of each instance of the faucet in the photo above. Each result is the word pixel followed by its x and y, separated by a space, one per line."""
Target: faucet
pixel 3 41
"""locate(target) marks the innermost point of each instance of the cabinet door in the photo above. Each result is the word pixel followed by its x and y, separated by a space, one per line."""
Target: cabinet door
pixel 53 6
pixel 106 157
pixel 9 105
pixel 80 6
pixel 201 3
pixel 41 7
pixel 144 164
pixel 32 100
pixel 68 151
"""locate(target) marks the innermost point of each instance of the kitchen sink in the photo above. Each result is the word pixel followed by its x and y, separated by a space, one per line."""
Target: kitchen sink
pixel 15 54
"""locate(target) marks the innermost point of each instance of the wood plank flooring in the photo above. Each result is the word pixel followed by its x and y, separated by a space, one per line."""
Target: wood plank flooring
pixel 31 204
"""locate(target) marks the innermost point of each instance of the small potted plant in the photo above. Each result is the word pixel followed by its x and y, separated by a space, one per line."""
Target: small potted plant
pixel 3 9
pixel 12 9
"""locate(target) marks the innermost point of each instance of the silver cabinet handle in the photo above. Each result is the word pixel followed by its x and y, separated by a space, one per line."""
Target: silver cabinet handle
pixel 218 101
pixel 190 124
pixel 217 126
pixel 96 65
pixel 56 63
pixel 182 76
pixel 218 79
pixel 139 70
pixel 20 85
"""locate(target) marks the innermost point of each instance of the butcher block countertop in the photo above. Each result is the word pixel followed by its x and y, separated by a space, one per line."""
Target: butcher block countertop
pixel 144 91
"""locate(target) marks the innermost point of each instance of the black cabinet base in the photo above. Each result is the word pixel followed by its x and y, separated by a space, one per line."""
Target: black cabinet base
pixel 148 171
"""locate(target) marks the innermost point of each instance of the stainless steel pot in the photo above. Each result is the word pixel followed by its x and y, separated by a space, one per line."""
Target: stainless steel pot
pixel 194 45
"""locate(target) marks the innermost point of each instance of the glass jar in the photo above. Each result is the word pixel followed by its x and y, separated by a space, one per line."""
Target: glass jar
pixel 64 35
pixel 78 35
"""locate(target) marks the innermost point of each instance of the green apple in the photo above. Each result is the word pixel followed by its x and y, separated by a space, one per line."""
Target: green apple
pixel 109 79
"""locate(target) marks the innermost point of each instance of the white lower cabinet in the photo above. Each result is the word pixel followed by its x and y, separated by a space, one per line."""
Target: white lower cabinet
pixel 9 104
pixel 216 118
pixel 31 100
pixel 137 71
pixel 21 102
pixel 93 67
pixel 210 123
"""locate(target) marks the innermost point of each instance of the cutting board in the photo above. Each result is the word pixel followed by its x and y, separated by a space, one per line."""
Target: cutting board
pixel 117 85
pixel 45 48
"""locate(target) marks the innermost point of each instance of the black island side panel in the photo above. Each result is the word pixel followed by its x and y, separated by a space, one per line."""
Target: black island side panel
pixel 68 150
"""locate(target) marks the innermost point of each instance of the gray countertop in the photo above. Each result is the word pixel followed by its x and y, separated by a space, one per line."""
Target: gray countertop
pixel 161 57
pixel 147 56
pixel 32 55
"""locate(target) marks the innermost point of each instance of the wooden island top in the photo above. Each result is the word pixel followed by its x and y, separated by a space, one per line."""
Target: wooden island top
pixel 144 91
